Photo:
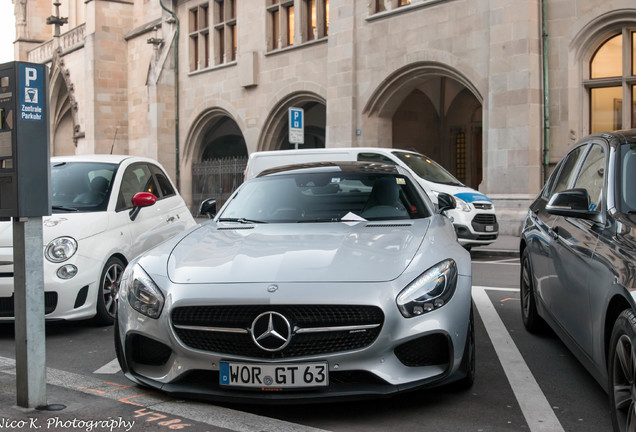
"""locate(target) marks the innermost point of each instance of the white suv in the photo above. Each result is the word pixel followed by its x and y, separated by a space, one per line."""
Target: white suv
pixel 474 218
pixel 106 210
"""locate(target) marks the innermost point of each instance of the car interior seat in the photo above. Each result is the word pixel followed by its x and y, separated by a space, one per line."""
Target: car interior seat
pixel 384 200
pixel 97 193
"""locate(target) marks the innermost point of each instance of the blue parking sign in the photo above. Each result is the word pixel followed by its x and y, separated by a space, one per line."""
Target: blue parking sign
pixel 296 129
pixel 31 92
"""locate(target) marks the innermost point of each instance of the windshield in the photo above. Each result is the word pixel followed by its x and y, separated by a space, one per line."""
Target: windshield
pixel 325 197
pixel 81 186
pixel 626 181
pixel 427 168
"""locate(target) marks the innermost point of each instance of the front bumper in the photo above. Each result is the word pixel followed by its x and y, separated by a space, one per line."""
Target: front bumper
pixel 65 299
pixel 475 228
pixel 404 355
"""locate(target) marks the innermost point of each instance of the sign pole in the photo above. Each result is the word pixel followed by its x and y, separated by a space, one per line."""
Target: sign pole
pixel 28 279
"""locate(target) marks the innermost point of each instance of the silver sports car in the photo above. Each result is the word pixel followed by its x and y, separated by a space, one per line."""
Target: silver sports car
pixel 313 282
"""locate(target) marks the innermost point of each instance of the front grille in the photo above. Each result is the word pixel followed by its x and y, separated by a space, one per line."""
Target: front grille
pixel 7 308
pixel 299 317
pixel 424 351
pixel 485 219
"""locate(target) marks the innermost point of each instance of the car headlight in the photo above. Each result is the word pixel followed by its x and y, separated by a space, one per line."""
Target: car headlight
pixel 430 291
pixel 462 205
pixel 60 249
pixel 141 292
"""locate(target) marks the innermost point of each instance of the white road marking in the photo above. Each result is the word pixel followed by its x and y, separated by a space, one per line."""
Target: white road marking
pixel 197 411
pixel 112 367
pixel 497 289
pixel 532 401
pixel 509 261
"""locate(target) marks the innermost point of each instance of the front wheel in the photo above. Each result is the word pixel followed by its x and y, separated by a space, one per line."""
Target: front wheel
pixel 107 291
pixel 529 315
pixel 622 372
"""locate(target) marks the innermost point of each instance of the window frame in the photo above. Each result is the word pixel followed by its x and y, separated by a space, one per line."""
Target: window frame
pixel 283 33
pixel 627 81
pixel 199 36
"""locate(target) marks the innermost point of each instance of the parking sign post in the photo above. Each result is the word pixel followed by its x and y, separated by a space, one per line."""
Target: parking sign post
pixel 24 198
pixel 296 126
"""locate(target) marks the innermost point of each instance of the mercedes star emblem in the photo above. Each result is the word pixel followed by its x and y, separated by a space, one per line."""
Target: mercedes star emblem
pixel 271 331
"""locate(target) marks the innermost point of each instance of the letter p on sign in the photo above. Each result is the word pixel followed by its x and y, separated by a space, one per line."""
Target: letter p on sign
pixel 31 74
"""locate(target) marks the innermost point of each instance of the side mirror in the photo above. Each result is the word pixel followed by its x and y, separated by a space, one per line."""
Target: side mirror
pixel 139 200
pixel 572 203
pixel 208 207
pixel 445 202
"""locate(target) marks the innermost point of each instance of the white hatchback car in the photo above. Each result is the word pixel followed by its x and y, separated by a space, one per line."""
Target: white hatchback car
pixel 107 209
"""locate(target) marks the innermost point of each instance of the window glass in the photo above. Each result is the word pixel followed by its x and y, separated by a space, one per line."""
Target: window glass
pixel 626 184
pixel 634 53
pixel 633 106
pixel 326 197
pixel 607 109
pixel 162 180
pixel 81 186
pixel 374 157
pixel 607 62
pixel 427 168
pixel 563 177
pixel 137 178
pixel 592 175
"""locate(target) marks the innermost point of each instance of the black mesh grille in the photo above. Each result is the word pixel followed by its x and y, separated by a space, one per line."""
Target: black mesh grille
pixel 485 219
pixel 300 316
pixel 7 308
pixel 424 351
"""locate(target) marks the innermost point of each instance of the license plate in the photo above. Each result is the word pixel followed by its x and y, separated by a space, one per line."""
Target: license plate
pixel 490 228
pixel 259 375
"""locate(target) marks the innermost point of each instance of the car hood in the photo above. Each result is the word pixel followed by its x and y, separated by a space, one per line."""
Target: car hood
pixel 76 225
pixel 312 252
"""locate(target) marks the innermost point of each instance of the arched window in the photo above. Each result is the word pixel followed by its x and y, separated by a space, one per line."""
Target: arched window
pixel 612 83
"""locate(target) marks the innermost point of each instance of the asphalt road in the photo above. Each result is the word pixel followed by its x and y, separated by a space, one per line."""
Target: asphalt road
pixel 524 383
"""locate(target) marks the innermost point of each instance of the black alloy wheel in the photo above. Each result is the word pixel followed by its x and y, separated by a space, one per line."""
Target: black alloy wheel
pixel 531 319
pixel 622 372
pixel 107 291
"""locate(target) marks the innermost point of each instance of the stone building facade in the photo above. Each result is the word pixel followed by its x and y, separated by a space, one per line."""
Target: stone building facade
pixel 495 90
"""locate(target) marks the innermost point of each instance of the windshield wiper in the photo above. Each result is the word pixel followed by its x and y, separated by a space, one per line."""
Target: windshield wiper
pixel 241 220
pixel 63 208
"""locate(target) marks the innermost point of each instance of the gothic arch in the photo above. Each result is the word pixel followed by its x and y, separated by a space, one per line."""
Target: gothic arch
pixel 386 98
pixel 64 123
pixel 277 121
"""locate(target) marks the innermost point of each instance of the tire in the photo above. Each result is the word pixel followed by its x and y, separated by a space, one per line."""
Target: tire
pixel 107 291
pixel 468 360
pixel 529 315
pixel 622 372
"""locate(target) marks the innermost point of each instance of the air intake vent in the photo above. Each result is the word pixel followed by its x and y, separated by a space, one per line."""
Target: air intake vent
pixel 391 225
pixel 235 228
